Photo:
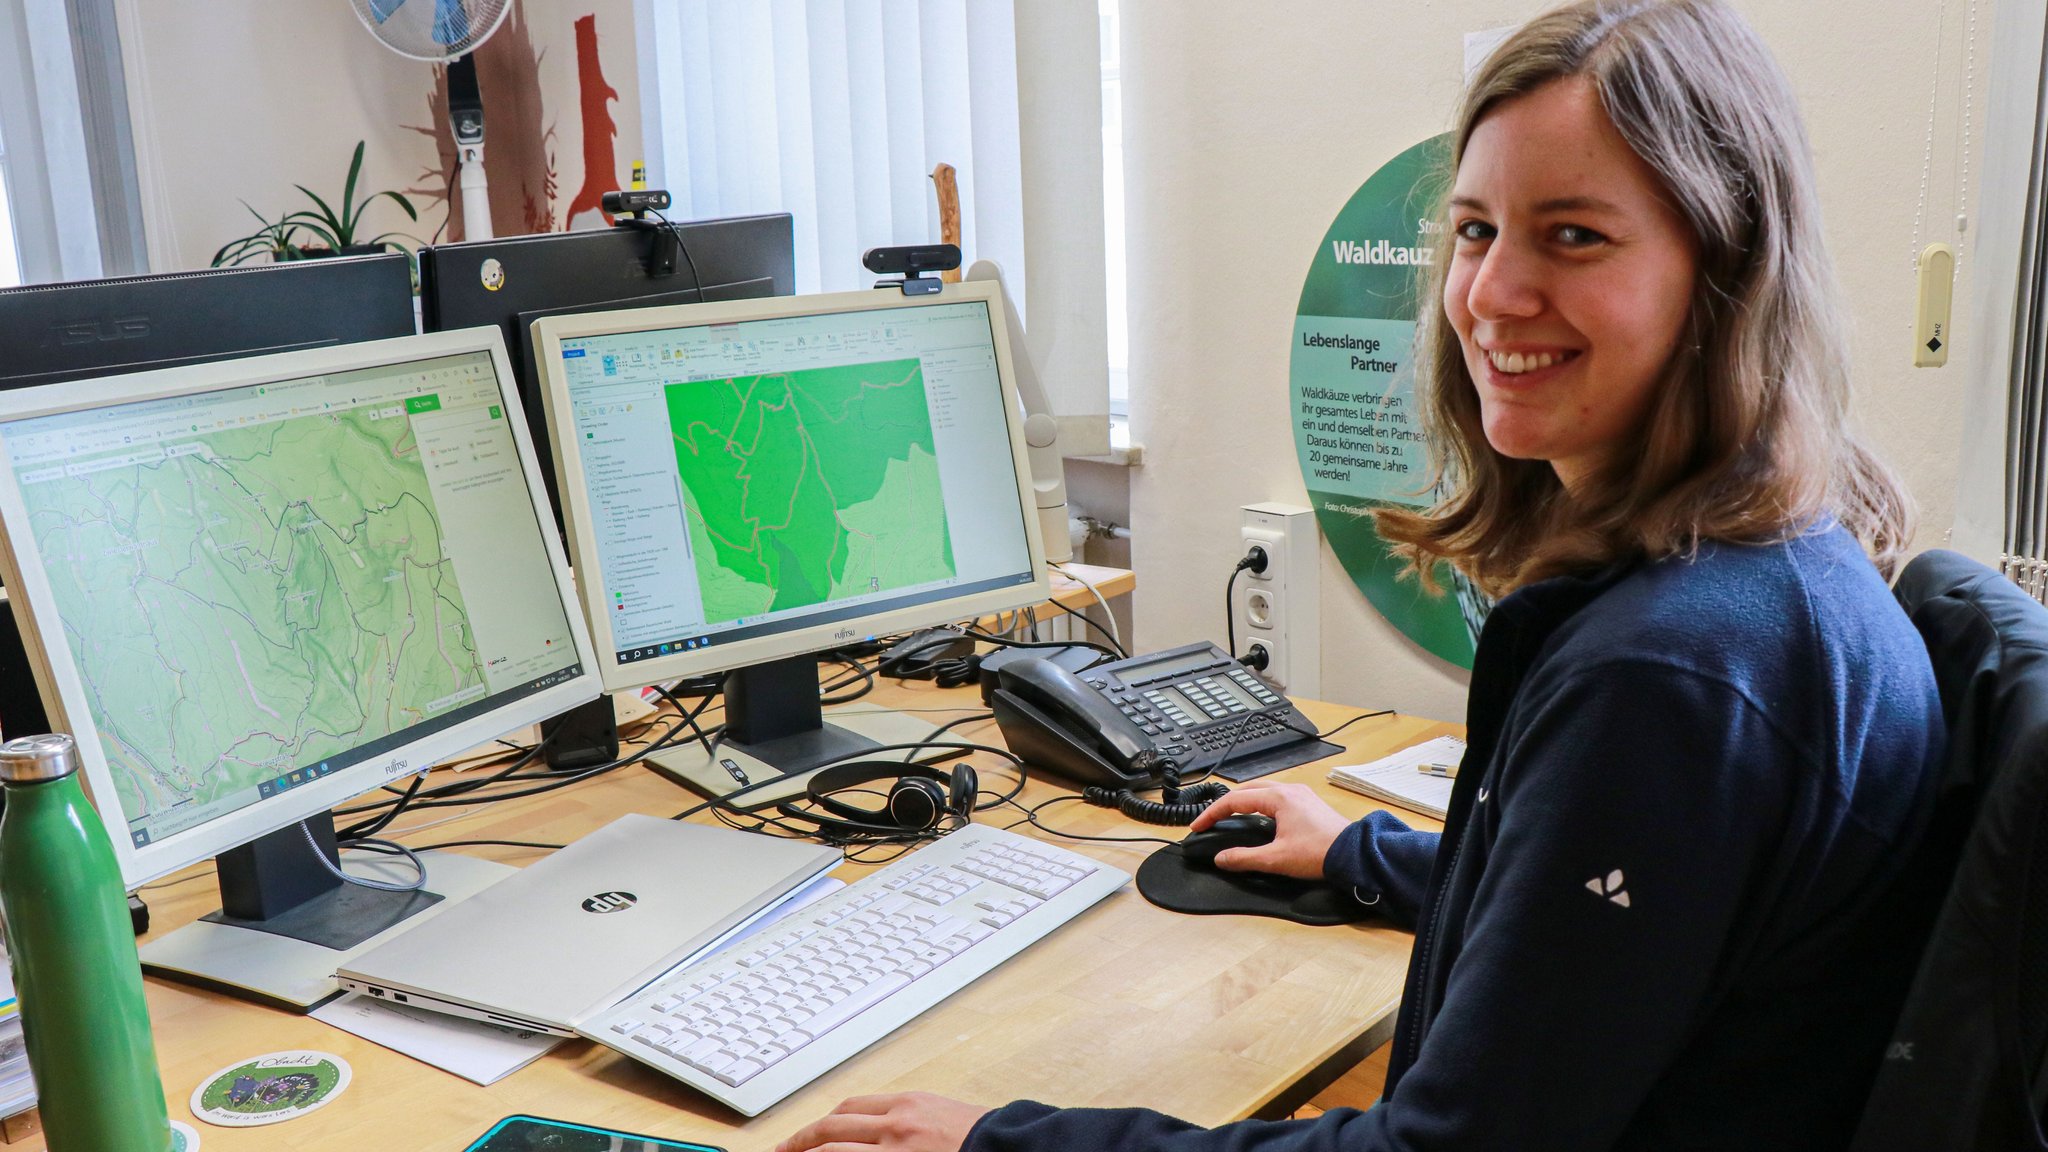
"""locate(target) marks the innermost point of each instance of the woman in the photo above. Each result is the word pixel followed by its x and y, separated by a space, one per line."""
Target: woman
pixel 1702 735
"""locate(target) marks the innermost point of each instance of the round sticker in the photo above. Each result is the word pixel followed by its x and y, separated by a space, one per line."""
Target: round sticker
pixel 270 1089
pixel 1351 377
pixel 493 275
pixel 184 1137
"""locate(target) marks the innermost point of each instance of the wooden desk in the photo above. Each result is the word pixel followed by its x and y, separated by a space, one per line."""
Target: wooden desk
pixel 1209 1018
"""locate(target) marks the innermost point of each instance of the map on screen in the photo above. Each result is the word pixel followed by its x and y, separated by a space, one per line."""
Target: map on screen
pixel 253 596
pixel 810 485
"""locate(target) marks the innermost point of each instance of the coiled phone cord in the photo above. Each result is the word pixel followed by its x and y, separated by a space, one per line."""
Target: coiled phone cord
pixel 1177 806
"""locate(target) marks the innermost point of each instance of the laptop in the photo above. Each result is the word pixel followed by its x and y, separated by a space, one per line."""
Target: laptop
pixel 571 935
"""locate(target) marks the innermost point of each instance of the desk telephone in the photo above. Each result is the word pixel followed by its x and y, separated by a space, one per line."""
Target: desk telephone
pixel 1115 724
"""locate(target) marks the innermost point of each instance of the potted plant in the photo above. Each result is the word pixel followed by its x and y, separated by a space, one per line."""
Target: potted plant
pixel 332 232
pixel 273 239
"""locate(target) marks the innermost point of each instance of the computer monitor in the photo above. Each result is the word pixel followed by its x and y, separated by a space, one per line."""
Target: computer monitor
pixel 259 587
pixel 79 329
pixel 513 282
pixel 750 483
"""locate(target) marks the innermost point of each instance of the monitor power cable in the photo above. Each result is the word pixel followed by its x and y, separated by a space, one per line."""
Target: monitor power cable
pixel 388 847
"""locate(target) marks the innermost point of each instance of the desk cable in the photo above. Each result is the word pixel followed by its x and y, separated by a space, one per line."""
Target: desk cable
pixel 1116 640
pixel 462 793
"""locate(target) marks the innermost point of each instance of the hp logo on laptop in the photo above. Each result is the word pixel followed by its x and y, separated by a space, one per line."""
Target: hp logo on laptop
pixel 610 902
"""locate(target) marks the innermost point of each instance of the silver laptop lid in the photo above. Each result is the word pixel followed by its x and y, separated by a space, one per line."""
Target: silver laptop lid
pixel 594 922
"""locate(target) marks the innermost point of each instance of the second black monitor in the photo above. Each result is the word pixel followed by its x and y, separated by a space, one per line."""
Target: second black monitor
pixel 513 282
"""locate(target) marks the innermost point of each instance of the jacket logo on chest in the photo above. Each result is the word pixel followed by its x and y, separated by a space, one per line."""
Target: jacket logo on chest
pixel 1610 887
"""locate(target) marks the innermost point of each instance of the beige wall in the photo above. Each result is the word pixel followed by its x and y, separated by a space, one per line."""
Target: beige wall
pixel 1247 127
pixel 241 99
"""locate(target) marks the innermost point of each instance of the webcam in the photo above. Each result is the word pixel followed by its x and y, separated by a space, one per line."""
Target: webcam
pixel 635 201
pixel 912 262
pixel 629 209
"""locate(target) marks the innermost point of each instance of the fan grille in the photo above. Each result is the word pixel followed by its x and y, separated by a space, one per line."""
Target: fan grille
pixel 435 30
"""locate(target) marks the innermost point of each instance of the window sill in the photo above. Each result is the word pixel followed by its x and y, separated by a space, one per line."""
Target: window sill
pixel 1122 453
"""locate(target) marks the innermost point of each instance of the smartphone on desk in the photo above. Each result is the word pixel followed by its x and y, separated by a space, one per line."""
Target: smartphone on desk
pixel 533 1134
pixel 1109 725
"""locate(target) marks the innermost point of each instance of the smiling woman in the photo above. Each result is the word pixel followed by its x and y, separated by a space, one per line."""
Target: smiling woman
pixel 1643 214
pixel 1667 909
pixel 1568 283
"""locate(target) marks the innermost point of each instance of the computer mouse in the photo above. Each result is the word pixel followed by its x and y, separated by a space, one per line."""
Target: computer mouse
pixel 1244 830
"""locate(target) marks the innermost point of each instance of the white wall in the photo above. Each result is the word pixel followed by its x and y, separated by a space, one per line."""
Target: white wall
pixel 1247 127
pixel 241 99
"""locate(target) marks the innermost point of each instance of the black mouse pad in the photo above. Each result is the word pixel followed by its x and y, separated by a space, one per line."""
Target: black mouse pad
pixel 1174 883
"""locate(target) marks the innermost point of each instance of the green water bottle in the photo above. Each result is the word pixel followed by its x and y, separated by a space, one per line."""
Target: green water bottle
pixel 83 1016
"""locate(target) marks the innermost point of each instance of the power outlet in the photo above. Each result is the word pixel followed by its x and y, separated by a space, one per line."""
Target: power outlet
pixel 1277 610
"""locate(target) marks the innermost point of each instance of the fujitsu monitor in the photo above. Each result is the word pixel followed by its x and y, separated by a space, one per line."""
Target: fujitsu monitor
pixel 260 587
pixel 748 484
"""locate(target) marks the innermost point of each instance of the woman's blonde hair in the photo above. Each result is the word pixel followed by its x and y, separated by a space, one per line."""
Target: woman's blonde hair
pixel 1748 438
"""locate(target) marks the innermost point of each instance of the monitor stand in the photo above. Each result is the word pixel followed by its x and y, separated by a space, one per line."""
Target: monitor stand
pixel 776 730
pixel 286 922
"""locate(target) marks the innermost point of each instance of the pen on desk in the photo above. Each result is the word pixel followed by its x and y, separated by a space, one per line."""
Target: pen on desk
pixel 1447 771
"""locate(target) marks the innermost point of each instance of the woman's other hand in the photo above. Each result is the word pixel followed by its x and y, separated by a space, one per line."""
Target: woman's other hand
pixel 1304 827
pixel 899 1122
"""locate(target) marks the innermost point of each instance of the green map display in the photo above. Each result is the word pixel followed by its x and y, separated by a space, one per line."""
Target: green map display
pixel 809 486
pixel 261 598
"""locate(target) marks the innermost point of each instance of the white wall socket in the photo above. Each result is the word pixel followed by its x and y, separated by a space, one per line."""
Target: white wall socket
pixel 1278 610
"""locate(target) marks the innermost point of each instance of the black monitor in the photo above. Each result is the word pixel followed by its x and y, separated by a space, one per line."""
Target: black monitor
pixel 513 282
pixel 85 328
pixel 79 329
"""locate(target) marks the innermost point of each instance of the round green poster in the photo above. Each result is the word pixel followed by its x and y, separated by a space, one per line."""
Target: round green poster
pixel 1352 385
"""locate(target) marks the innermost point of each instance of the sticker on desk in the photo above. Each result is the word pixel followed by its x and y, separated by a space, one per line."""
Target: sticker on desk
pixel 184 1137
pixel 270 1089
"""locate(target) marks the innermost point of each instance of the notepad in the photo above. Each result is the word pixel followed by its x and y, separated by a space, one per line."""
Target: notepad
pixel 1398 779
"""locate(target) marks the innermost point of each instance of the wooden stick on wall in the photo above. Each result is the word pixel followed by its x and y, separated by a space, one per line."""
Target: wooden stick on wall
pixel 949 214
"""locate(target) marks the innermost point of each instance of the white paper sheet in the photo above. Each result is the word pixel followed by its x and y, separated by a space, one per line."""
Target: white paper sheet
pixel 1397 779
pixel 476 1051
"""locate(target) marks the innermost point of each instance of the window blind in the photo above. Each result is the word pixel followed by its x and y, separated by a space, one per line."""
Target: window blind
pixel 837 111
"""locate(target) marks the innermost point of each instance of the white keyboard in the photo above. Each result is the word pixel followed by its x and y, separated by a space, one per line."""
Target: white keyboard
pixel 756 1021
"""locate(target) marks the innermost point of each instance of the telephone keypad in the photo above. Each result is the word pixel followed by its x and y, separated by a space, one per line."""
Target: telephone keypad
pixel 1199 704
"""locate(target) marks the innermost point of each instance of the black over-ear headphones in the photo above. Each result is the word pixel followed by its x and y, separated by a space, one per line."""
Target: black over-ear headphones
pixel 919 797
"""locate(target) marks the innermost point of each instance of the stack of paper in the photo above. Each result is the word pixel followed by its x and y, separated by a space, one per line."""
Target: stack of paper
pixel 1400 778
pixel 17 1091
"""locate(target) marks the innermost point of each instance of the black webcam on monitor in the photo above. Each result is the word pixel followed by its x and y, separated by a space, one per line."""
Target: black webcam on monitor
pixel 911 263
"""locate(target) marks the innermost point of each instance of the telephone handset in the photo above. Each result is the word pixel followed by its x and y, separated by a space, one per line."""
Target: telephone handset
pixel 1055 721
pixel 1115 724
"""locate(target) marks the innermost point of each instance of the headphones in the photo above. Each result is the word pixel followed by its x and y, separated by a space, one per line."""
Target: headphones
pixel 919 798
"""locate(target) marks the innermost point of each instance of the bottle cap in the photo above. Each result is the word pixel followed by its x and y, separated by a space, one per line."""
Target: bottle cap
pixel 32 759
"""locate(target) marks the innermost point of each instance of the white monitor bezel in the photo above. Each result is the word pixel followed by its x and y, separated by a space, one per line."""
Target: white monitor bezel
pixel 34 603
pixel 548 334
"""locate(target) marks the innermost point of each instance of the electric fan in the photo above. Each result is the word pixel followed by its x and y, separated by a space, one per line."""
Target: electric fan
pixel 447 31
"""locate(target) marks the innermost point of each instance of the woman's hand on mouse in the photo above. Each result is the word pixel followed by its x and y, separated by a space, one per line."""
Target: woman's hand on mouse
pixel 1304 827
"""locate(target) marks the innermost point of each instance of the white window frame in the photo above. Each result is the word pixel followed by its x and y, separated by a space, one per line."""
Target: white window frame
pixel 1115 274
pixel 2014 102
pixel 49 179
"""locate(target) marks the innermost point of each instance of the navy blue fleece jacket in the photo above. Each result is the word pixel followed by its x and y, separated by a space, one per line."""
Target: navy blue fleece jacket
pixel 1661 913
